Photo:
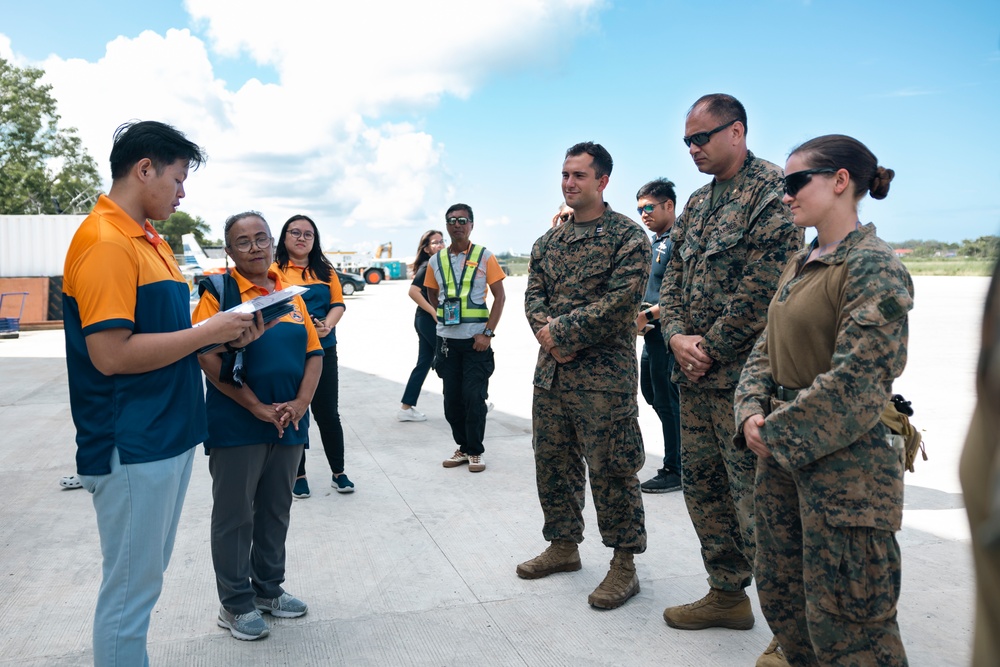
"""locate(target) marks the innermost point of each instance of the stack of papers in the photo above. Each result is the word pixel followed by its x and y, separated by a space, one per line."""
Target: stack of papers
pixel 271 306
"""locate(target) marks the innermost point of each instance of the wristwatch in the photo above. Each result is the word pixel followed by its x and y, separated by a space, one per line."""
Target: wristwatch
pixel 488 333
pixel 649 315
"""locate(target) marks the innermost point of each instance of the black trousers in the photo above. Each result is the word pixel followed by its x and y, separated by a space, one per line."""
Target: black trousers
pixel 465 376
pixel 326 411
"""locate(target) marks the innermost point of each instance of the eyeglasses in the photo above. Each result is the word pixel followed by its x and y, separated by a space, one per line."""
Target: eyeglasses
pixel 299 234
pixel 798 180
pixel 702 138
pixel 649 208
pixel 564 217
pixel 244 245
pixel 458 221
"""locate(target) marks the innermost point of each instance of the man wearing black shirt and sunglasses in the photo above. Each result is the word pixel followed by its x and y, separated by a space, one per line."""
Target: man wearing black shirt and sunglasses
pixel 730 245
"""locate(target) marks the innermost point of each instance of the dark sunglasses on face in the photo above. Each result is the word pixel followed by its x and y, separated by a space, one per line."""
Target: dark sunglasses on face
pixel 308 236
pixel 702 138
pixel 649 208
pixel 564 217
pixel 798 180
pixel 458 221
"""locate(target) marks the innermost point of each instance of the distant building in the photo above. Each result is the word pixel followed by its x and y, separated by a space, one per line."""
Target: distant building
pixel 903 252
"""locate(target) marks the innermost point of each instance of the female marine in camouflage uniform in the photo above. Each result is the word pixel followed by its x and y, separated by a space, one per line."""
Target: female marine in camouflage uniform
pixel 829 486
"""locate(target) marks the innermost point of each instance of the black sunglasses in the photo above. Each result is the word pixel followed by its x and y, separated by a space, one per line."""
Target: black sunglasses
pixel 798 180
pixel 702 138
pixel 458 221
pixel 649 208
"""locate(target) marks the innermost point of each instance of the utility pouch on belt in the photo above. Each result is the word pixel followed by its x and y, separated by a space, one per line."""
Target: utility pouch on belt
pixel 896 417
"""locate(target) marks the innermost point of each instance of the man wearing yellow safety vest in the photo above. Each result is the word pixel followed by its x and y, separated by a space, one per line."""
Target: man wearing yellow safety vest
pixel 457 281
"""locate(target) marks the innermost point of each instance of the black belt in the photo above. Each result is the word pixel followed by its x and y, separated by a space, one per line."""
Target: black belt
pixel 786 394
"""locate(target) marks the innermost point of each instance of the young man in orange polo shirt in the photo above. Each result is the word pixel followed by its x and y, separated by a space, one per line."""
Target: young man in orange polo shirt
pixel 135 385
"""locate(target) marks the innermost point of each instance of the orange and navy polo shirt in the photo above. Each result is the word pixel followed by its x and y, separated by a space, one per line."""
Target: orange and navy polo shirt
pixel 275 364
pixel 321 297
pixel 119 275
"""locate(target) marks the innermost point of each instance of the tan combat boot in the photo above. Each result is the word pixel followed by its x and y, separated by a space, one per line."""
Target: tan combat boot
pixel 718 609
pixel 560 556
pixel 619 585
pixel 772 656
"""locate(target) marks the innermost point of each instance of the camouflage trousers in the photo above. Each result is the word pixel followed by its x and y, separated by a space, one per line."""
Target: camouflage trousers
pixel 718 485
pixel 828 592
pixel 977 471
pixel 578 430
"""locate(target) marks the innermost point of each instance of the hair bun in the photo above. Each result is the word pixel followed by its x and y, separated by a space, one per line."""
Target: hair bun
pixel 879 186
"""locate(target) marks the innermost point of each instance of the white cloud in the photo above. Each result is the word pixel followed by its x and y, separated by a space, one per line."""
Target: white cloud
pixel 5 51
pixel 313 142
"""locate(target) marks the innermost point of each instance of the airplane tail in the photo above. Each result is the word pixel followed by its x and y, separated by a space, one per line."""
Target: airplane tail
pixel 194 255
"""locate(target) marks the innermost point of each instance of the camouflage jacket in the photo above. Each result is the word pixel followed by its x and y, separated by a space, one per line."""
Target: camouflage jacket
pixel 836 331
pixel 591 286
pixel 725 263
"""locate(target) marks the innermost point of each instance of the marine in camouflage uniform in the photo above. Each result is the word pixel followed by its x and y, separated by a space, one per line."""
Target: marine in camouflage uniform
pixel 726 261
pixel 590 282
pixel 830 497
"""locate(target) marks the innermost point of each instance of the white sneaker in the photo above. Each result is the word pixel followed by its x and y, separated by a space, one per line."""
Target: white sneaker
pixel 411 414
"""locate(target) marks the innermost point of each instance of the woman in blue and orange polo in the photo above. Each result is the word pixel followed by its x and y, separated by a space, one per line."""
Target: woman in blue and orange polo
pixel 256 436
pixel 299 259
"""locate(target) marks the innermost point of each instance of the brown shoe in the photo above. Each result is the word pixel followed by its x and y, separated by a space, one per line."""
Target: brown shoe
pixel 560 556
pixel 718 609
pixel 772 656
pixel 619 585
pixel 457 459
pixel 476 463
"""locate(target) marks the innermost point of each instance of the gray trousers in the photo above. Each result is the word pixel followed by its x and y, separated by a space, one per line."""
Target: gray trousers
pixel 252 493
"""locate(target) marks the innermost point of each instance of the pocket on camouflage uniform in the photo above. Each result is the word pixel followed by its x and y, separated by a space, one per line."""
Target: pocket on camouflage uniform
pixel 626 454
pixel 860 575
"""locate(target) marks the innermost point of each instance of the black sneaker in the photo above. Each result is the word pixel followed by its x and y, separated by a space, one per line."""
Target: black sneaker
pixel 663 482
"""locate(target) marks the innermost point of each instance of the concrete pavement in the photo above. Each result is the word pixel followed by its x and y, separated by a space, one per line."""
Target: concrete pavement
pixel 417 566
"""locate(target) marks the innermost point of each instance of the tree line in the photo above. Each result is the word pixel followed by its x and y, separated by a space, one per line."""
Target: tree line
pixel 985 247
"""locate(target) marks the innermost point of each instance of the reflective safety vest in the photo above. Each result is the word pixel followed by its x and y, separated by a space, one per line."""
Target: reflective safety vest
pixel 470 310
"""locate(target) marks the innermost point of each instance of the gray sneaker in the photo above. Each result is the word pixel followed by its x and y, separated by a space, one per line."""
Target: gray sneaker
pixel 286 606
pixel 248 626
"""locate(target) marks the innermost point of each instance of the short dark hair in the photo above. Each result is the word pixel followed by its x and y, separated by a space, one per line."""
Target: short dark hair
pixel 159 142
pixel 233 219
pixel 661 189
pixel 602 162
pixel 320 266
pixel 460 207
pixel 838 151
pixel 722 106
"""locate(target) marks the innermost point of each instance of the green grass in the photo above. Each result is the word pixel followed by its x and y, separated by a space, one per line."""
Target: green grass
pixel 517 266
pixel 917 266
pixel 956 266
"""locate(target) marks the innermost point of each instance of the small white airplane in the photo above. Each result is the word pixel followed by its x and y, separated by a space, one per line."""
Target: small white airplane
pixel 194 256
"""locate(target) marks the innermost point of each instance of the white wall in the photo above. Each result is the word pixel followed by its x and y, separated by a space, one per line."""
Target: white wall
pixel 35 245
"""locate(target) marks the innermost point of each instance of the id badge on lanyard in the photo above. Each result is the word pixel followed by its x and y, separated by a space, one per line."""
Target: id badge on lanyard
pixel 452 311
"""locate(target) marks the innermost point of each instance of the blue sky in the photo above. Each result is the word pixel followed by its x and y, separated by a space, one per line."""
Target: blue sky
pixel 373 117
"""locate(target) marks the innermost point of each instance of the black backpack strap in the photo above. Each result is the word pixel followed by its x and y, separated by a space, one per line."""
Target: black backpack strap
pixel 223 287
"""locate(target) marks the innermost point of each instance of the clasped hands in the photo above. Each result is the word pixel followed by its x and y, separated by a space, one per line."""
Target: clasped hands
pixel 281 414
pixel 544 338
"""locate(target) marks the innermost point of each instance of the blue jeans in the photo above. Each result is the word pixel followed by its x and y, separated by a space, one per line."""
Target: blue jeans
pixel 426 334
pixel 138 506
pixel 655 367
